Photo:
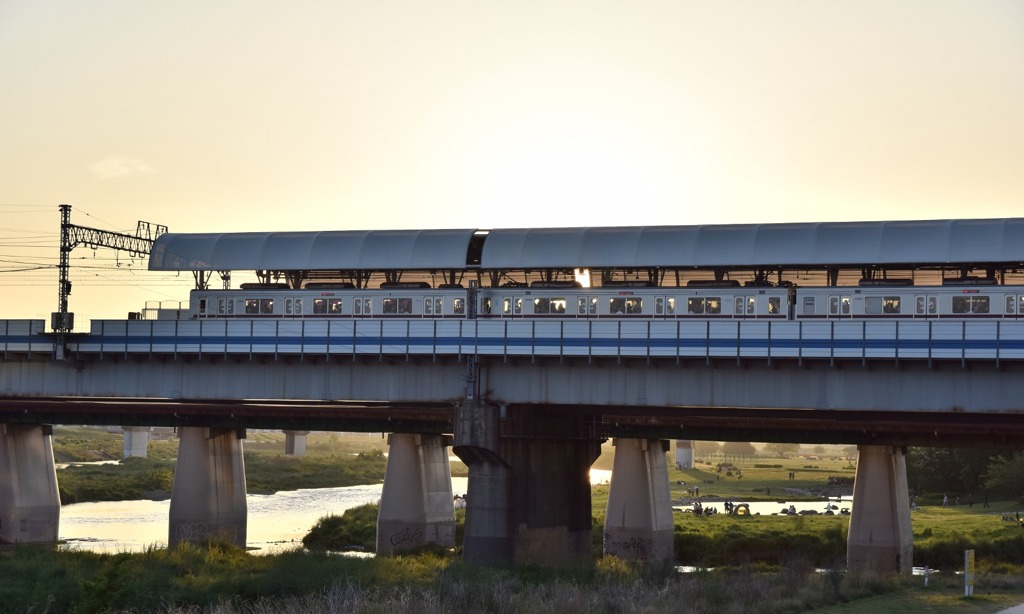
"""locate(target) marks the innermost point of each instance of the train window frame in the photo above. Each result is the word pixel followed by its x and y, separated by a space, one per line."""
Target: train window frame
pixel 774 305
pixel 458 306
pixel 1010 307
pixel 833 304
pixel 319 306
pixel 695 305
pixel 202 306
pixel 266 306
pixel 252 306
pixel 548 305
pixel 933 305
pixel 752 305
pixel 740 305
pixel 289 304
pixel 298 306
pixel 335 306
pixel 713 305
pixel 486 305
pixel 1020 305
pixel 222 306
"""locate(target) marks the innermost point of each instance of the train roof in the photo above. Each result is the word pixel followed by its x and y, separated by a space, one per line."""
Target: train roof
pixel 810 245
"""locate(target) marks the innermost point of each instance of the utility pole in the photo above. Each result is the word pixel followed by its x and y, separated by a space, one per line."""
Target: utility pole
pixel 72 236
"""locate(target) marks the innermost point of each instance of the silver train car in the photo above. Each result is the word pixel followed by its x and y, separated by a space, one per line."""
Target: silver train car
pixel 570 301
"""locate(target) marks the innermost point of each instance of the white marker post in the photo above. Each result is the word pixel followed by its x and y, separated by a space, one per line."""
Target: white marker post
pixel 968 573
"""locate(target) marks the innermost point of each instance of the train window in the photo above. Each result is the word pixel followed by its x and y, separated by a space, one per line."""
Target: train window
pixel 971 304
pixel 581 305
pixel 833 305
pixel 397 306
pixel 750 305
pixel 739 305
pixel 774 305
pixel 1020 305
pixel 486 305
pixel 713 304
pixel 458 306
pixel 288 304
pixel 695 305
pixel 298 306
pixel 549 305
pixel 202 306
pixel 630 305
pixel 266 305
pixel 919 305
pixel 808 304
pixel 334 306
pixel 319 305
pixel 1011 303
pixel 933 305
pixel 220 306
pixel 665 305
pixel 874 305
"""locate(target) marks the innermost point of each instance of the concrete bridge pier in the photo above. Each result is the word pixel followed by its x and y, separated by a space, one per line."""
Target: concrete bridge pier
pixel 684 454
pixel 29 500
pixel 638 524
pixel 529 485
pixel 416 506
pixel 295 443
pixel 136 441
pixel 880 537
pixel 208 497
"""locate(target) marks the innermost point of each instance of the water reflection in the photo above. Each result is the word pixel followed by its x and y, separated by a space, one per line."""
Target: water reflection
pixel 275 522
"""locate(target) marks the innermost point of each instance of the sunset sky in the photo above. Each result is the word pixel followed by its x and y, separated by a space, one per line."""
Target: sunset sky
pixel 253 116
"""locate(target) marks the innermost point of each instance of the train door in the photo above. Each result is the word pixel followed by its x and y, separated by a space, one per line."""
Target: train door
pixel 839 306
pixel 926 306
pixel 362 307
pixel 511 306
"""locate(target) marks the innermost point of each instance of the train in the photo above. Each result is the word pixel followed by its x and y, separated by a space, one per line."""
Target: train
pixel 561 300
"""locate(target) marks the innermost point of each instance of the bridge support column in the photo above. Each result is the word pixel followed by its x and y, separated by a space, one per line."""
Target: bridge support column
pixel 529 485
pixel 638 524
pixel 880 536
pixel 416 506
pixel 29 501
pixel 295 443
pixel 684 454
pixel 136 441
pixel 208 497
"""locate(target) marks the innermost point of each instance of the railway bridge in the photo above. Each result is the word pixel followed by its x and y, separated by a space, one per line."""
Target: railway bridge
pixel 526 402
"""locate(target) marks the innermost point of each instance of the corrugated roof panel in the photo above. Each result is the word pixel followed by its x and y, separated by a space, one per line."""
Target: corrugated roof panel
pixel 726 245
pixel 738 245
pixel 783 243
pixel 976 240
pixel 667 245
pixel 290 250
pixel 242 250
pixel 609 247
pixel 926 241
pixel 1013 241
pixel 847 243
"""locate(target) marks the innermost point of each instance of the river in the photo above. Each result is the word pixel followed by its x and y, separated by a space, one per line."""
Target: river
pixel 276 522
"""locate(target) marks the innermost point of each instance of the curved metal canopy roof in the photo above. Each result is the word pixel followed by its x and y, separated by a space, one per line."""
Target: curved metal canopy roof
pixel 741 245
